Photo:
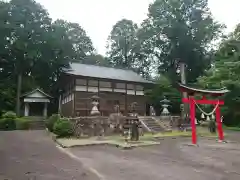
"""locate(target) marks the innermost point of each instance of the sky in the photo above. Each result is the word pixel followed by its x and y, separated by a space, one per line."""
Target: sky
pixel 97 17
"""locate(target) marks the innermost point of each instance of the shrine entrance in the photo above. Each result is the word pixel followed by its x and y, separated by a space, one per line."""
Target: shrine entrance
pixel 194 102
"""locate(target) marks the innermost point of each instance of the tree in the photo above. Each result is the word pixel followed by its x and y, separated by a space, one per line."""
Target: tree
pixel 181 31
pixel 33 51
pixel 121 43
pixel 225 72
pixel 28 22
pixel 164 88
pixel 96 59
pixel 82 44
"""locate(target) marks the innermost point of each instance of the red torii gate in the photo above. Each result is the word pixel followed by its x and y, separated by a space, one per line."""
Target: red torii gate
pixel 191 101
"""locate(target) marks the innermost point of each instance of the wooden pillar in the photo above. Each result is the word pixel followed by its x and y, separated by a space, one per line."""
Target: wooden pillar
pixel 26 109
pixel 192 116
pixel 219 124
pixel 74 97
pixel 60 104
pixel 45 109
pixel 126 100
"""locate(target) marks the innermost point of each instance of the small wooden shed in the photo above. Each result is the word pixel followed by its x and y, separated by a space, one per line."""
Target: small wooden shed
pixel 36 103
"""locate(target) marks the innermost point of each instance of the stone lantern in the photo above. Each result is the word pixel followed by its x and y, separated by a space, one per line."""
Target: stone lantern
pixel 165 105
pixel 95 103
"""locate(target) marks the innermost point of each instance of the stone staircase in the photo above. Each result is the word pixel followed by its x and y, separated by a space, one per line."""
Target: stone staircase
pixel 36 123
pixel 164 122
pixel 150 124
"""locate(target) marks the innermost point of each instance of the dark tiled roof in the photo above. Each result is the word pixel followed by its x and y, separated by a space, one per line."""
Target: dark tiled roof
pixel 105 73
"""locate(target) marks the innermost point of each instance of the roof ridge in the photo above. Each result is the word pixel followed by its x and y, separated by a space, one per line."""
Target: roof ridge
pixel 36 89
pixel 97 65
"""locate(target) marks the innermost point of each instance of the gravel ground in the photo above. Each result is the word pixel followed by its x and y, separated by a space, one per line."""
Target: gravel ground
pixel 174 159
pixel 32 155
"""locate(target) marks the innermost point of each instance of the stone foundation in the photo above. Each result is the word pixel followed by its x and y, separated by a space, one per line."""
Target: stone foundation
pixel 97 125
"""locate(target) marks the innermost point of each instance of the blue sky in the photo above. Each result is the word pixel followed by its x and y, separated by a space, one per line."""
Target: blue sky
pixel 98 16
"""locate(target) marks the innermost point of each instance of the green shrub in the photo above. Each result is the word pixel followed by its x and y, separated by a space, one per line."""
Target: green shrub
pixel 9 115
pixel 22 123
pixel 7 124
pixel 51 121
pixel 63 128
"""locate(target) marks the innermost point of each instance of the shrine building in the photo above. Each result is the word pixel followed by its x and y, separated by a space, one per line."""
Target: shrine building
pixel 113 87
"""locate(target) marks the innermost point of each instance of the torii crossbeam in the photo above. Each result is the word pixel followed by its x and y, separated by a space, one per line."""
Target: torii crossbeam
pixel 192 102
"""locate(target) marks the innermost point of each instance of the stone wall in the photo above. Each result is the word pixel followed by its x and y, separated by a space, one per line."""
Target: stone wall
pixel 97 125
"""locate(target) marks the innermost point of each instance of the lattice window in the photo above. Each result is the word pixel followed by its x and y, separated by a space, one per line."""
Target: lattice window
pixel 120 85
pixel 93 83
pixel 105 84
pixel 81 82
pixel 130 86
pixel 139 88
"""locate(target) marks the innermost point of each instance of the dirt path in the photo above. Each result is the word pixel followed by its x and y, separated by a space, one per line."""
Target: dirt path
pixel 172 160
pixel 32 155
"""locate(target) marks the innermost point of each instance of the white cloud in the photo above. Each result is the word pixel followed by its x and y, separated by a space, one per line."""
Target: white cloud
pixel 98 16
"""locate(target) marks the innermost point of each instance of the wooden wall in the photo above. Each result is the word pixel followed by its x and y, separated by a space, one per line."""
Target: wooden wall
pixel 110 93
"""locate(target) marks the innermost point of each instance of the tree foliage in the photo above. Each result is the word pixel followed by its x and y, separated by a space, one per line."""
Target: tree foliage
pixel 175 31
pixel 121 43
pixel 185 31
pixel 34 51
pixel 125 48
pixel 165 89
pixel 225 72
pixel 82 44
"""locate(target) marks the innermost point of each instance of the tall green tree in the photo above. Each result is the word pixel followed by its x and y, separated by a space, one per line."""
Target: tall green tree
pixel 181 31
pixel 28 22
pixel 96 59
pixel 225 72
pixel 33 51
pixel 81 42
pixel 125 49
pixel 121 44
pixel 164 89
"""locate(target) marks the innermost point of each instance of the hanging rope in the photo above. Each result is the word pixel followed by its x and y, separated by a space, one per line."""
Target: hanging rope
pixel 207 114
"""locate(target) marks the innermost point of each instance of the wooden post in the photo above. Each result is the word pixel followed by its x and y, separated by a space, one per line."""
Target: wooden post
pixel 126 100
pixel 192 116
pixel 26 109
pixel 219 124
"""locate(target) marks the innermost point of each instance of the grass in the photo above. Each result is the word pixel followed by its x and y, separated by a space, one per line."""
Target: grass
pixel 231 128
pixel 116 140
pixel 112 140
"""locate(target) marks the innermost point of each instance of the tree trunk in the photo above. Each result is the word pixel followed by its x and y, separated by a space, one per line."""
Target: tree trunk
pixel 19 87
pixel 183 81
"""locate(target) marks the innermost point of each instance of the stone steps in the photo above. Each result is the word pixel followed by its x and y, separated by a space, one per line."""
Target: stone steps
pixel 151 124
pixel 37 125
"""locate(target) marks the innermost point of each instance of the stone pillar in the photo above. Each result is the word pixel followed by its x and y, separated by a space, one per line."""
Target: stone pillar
pixel 45 109
pixel 26 109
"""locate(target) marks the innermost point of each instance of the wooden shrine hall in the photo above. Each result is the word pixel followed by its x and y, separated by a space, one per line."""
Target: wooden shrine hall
pixel 113 87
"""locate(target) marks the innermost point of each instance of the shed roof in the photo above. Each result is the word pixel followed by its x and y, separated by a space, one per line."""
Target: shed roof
pixel 34 91
pixel 105 73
